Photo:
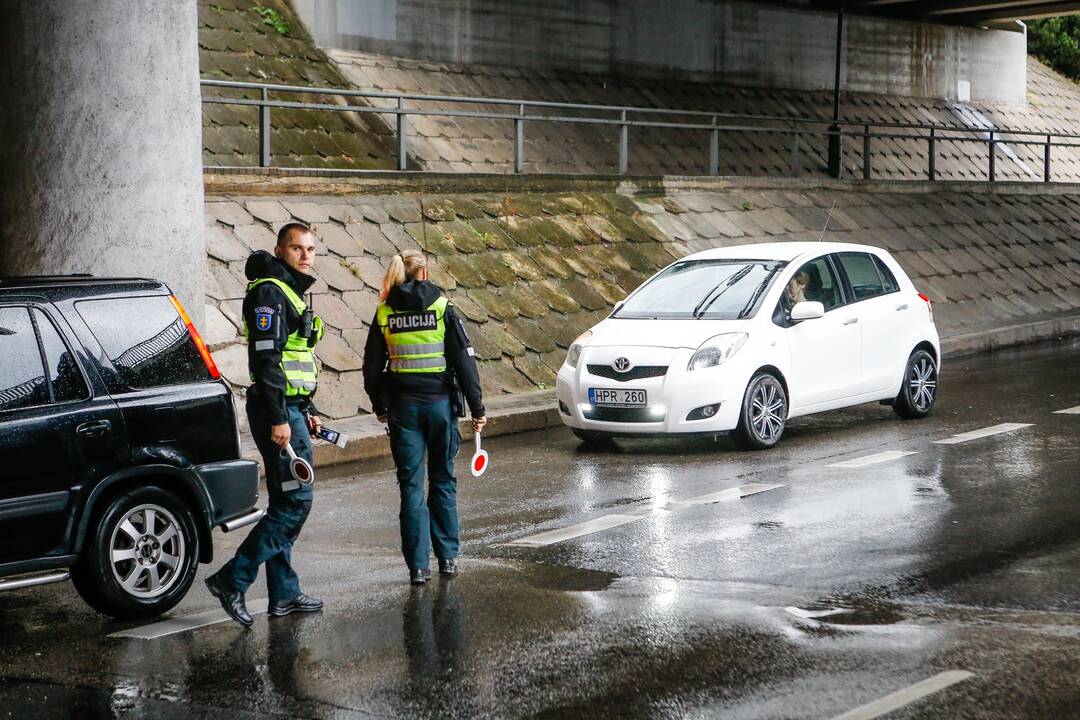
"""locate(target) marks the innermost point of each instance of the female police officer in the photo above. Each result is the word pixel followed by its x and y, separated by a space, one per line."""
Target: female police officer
pixel 416 347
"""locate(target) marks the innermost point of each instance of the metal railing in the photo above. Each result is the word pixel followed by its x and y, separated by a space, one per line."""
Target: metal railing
pixel 622 118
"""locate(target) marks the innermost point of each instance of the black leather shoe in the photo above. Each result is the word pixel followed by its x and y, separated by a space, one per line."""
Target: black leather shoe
pixel 232 602
pixel 419 576
pixel 448 567
pixel 300 603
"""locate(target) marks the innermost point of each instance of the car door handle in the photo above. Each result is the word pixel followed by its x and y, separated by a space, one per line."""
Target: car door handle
pixel 901 307
pixel 96 428
pixel 851 321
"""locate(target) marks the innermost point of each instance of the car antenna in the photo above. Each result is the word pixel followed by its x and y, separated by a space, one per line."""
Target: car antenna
pixel 827 219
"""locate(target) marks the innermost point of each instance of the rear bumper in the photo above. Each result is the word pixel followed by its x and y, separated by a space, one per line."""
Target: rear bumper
pixel 232 488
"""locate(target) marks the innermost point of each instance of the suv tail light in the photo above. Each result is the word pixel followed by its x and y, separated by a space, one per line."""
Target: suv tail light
pixel 929 306
pixel 204 351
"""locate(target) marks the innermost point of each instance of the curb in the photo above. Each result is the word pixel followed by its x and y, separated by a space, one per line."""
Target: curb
pixel 1010 335
pixel 508 414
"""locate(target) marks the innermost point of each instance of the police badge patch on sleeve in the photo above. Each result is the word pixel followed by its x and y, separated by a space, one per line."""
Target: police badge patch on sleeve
pixel 264 318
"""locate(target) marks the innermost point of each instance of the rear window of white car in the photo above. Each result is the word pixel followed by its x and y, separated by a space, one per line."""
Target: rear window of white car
pixel 710 289
pixel 864 272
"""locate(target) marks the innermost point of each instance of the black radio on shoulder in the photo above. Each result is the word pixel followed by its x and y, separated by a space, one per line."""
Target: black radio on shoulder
pixel 307 323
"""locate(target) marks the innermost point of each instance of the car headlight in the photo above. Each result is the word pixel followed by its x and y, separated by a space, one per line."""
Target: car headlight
pixel 716 350
pixel 574 354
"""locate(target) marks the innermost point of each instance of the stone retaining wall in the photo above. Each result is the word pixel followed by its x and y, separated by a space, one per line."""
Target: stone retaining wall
pixel 531 271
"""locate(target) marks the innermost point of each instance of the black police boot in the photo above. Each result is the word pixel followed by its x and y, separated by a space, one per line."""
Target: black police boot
pixel 232 602
pixel 448 567
pixel 419 576
pixel 300 603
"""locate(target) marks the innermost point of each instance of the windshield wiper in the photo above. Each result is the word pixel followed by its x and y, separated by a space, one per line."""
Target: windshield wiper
pixel 710 298
pixel 757 292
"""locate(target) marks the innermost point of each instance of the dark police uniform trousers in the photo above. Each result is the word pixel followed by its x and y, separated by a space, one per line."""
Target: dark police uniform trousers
pixel 415 428
pixel 271 541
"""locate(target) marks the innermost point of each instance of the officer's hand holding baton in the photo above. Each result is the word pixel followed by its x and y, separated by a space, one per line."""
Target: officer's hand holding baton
pixel 478 423
pixel 281 434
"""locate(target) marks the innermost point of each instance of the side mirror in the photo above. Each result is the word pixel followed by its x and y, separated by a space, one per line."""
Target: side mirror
pixel 807 310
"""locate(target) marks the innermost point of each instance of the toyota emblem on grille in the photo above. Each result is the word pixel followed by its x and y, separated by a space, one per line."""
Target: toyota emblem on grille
pixel 620 365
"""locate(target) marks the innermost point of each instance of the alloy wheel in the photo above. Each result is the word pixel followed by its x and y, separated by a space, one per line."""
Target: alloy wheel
pixel 767 411
pixel 147 551
pixel 922 383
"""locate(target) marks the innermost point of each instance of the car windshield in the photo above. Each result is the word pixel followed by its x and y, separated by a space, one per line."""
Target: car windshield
pixel 709 289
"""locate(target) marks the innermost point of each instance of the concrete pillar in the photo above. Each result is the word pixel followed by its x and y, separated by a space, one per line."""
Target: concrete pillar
pixel 101 142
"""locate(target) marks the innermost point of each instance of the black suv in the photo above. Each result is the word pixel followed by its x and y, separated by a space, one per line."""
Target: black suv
pixel 119 448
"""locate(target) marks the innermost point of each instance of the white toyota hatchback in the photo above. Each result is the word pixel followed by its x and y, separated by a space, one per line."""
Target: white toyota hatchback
pixel 744 338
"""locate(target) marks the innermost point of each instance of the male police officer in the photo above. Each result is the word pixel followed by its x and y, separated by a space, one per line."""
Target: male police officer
pixel 281 333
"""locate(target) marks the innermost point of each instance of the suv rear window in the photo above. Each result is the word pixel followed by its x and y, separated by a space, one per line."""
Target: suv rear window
pixel 146 340
pixel 64 374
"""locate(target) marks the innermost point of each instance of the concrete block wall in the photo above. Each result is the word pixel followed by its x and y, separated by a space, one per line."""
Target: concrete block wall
pixel 236 44
pixel 531 271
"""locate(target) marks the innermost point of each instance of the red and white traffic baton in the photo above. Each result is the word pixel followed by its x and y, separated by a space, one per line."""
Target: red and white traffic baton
pixel 300 468
pixel 479 459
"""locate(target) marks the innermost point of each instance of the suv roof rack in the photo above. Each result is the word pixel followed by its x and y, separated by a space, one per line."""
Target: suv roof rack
pixel 39 278
pixel 73 279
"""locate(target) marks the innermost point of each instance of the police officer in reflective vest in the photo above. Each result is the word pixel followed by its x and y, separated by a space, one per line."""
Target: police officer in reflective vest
pixel 417 354
pixel 281 332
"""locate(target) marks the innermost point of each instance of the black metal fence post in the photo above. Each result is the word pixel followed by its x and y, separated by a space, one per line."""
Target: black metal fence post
pixel 519 140
pixel 1046 160
pixel 993 157
pixel 264 129
pixel 796 160
pixel 866 152
pixel 402 142
pixel 714 150
pixel 932 154
pixel 624 144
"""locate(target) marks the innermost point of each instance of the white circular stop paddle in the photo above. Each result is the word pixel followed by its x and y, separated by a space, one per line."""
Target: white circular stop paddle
pixel 479 459
pixel 300 468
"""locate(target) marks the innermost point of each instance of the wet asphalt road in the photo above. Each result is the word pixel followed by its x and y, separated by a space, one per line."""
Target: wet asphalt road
pixel 803 601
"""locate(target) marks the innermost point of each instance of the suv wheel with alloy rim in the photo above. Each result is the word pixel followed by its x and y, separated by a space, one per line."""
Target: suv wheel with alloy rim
pixel 141 556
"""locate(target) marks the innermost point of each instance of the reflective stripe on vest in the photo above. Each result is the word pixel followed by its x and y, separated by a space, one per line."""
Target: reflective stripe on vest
pixel 415 339
pixel 298 360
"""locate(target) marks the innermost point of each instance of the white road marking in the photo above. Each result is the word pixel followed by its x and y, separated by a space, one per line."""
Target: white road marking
pixel 171 626
pixel 1068 411
pixel 588 527
pixel 730 494
pixel 811 614
pixel 874 459
pixel 908 695
pixel 985 432
pixel 606 522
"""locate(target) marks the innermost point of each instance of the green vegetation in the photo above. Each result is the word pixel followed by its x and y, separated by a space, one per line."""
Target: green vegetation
pixel 1056 41
pixel 272 18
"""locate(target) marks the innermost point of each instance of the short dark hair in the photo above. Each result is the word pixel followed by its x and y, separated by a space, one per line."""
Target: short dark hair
pixel 288 229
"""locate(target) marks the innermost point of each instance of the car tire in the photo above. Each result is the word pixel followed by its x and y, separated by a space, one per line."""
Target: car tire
pixel 592 438
pixel 140 555
pixel 763 415
pixel 918 392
